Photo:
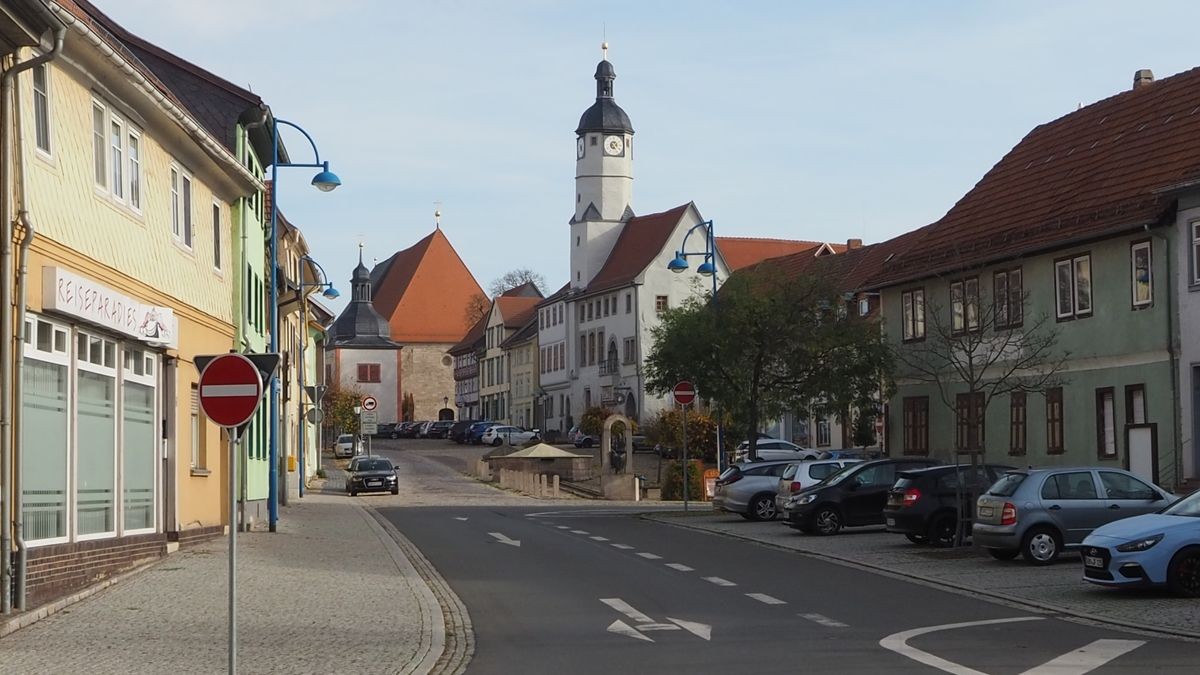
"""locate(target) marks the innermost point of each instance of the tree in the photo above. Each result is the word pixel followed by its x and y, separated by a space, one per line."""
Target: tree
pixel 477 306
pixel 982 348
pixel 771 343
pixel 338 405
pixel 514 278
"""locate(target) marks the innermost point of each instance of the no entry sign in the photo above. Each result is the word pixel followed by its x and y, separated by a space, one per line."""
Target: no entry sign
pixel 230 390
pixel 684 393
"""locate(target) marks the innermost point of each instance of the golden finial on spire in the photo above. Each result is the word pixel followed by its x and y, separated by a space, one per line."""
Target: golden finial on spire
pixel 604 49
pixel 437 214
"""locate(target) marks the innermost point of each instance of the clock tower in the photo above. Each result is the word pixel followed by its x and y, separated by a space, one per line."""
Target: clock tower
pixel 603 179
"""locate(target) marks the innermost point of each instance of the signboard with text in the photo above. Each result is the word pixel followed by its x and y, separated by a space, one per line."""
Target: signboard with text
pixel 68 293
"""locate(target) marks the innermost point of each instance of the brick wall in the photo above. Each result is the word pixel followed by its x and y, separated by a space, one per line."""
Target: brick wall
pixel 427 377
pixel 61 569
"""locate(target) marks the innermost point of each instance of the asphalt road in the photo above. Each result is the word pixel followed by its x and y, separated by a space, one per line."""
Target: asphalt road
pixel 591 589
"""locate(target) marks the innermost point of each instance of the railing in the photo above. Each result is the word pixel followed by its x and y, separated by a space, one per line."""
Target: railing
pixel 610 367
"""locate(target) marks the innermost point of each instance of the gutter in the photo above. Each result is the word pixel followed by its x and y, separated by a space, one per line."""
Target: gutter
pixel 10 527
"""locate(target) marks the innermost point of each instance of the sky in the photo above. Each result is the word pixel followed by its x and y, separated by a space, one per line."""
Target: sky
pixel 798 120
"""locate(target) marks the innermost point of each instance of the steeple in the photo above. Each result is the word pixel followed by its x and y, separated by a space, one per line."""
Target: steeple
pixel 359 325
pixel 360 280
pixel 605 115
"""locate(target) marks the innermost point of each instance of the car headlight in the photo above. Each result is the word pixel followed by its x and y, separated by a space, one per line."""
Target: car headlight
pixel 803 499
pixel 1142 544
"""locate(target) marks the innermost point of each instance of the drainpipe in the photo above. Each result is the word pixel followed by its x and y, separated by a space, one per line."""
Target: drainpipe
pixel 1177 460
pixel 8 468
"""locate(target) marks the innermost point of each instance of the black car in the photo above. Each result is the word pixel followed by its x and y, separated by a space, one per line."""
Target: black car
pixel 386 430
pixel 851 497
pixel 460 432
pixel 439 429
pixel 407 429
pixel 372 474
pixel 921 503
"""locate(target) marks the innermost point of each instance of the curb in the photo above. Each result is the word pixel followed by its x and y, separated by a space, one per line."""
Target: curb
pixel 1158 631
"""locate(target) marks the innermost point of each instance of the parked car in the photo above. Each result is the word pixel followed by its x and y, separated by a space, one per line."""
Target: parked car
pixel 853 496
pixel 385 430
pixel 459 433
pixel 771 449
pixel 404 430
pixel 439 429
pixel 477 429
pixel 372 474
pixel 423 429
pixel 1038 512
pixel 748 489
pixel 580 439
pixel 346 445
pixel 803 475
pixel 1156 549
pixel 500 434
pixel 923 504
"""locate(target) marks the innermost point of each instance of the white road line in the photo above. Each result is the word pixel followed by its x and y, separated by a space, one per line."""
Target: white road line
pixel 681 567
pixel 824 620
pixel 1086 659
pixel 650 556
pixel 766 599
pixel 598 538
pixel 623 547
pixel 626 609
pixel 563 527
pixel 578 531
pixel 898 643
pixel 719 581
pixel 459 518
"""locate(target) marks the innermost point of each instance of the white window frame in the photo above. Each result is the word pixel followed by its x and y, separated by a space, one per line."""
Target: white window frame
pixel 182 199
pixel 116 157
pixel 218 259
pixel 149 378
pixel 60 357
pixel 913 321
pixel 100 152
pixel 134 188
pixel 44 93
pixel 84 365
pixel 1074 264
pixel 1195 237
pixel 1133 280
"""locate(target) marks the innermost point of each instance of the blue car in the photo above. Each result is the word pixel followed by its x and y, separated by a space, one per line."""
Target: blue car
pixel 1155 549
pixel 475 435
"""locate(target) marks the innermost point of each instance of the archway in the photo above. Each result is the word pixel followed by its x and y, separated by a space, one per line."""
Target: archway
pixel 606 443
pixel 446 414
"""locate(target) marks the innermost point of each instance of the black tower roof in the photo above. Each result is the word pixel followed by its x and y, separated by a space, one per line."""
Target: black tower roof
pixel 359 325
pixel 604 115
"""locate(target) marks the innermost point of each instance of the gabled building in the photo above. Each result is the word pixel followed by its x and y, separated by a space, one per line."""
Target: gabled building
pixel 423 292
pixel 520 353
pixel 510 312
pixel 466 356
pixel 554 366
pixel 360 354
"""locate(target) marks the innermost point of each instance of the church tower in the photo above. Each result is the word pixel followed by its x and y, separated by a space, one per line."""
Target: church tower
pixel 603 178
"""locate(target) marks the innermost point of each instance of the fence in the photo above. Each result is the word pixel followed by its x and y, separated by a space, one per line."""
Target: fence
pixel 534 484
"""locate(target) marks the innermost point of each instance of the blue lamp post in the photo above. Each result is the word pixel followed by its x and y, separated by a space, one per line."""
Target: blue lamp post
pixel 325 181
pixel 708 268
pixel 329 293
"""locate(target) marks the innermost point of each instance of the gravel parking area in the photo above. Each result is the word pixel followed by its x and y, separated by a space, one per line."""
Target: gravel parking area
pixel 1058 587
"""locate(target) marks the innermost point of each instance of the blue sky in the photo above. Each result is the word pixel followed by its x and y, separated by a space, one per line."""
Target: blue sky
pixel 779 119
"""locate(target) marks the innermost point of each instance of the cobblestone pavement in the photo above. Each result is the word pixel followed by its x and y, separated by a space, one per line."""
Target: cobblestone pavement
pixel 1058 587
pixel 329 593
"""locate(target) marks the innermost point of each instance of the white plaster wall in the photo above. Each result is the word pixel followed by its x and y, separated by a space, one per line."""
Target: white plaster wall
pixel 602 180
pixel 385 390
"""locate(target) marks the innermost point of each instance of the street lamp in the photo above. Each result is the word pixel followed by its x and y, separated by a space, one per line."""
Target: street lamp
pixel 325 181
pixel 329 293
pixel 708 268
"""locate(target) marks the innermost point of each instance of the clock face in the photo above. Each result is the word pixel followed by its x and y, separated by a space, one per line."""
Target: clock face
pixel 579 148
pixel 614 145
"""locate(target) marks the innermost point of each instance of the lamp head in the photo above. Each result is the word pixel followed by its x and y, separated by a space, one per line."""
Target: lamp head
pixel 706 269
pixel 677 265
pixel 326 181
pixel 331 293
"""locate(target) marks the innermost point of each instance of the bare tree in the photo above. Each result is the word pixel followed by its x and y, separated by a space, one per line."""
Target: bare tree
pixel 476 307
pixel 514 278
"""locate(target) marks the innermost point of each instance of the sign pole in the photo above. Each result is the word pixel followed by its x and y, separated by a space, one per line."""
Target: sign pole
pixel 234 438
pixel 685 459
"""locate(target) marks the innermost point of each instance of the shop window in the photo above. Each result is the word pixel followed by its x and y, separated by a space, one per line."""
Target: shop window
pixel 46 425
pixel 96 434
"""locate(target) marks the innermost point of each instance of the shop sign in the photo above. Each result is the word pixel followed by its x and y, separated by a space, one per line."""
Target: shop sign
pixel 69 293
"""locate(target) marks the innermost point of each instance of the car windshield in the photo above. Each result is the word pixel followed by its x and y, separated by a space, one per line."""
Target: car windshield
pixel 840 476
pixel 373 465
pixel 1188 506
pixel 1007 485
pixel 345 438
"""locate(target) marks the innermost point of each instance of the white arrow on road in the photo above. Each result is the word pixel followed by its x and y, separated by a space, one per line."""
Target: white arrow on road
pixel 505 540
pixel 644 624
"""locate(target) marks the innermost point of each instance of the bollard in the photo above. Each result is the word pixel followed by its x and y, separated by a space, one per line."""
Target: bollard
pixel 555 489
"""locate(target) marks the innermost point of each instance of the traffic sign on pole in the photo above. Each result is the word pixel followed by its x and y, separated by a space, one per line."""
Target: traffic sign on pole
pixel 369 403
pixel 684 393
pixel 231 388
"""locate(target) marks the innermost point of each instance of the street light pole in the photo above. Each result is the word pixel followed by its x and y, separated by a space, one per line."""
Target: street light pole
pixel 324 181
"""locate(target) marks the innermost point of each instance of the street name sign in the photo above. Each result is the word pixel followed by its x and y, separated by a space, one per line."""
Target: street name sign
pixel 684 393
pixel 231 388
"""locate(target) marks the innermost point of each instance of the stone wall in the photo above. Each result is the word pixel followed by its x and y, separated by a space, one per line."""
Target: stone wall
pixel 426 375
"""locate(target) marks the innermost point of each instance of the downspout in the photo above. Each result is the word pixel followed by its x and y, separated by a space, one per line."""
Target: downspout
pixel 1177 460
pixel 10 524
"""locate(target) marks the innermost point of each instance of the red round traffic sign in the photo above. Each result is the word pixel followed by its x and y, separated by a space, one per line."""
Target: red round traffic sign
pixel 369 403
pixel 230 390
pixel 684 393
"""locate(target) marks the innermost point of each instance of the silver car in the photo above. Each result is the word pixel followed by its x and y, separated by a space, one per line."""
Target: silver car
pixel 748 489
pixel 1038 512
pixel 770 449
pixel 803 475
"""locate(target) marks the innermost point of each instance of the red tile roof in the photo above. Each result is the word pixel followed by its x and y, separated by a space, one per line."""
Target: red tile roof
pixel 739 252
pixel 473 336
pixel 848 271
pixel 640 240
pixel 423 291
pixel 516 309
pixel 1095 172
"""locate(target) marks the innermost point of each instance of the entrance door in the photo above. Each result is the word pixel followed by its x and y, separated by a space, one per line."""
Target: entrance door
pixel 1142 443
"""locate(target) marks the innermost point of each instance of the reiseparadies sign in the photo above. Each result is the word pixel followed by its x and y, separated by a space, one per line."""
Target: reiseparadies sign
pixel 69 293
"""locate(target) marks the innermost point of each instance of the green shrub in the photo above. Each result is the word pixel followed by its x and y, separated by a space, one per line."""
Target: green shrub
pixel 667 430
pixel 672 484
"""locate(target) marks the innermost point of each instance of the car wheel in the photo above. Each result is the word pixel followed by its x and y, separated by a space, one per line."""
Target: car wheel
pixel 1183 574
pixel 827 521
pixel 353 493
pixel 763 507
pixel 587 443
pixel 396 490
pixel 917 538
pixel 497 442
pixel 1041 546
pixel 1003 553
pixel 942 531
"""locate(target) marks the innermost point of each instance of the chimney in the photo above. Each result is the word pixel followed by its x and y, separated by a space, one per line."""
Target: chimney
pixel 852 244
pixel 1142 78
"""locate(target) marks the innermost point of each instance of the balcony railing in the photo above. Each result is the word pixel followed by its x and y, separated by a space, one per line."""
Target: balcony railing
pixel 610 367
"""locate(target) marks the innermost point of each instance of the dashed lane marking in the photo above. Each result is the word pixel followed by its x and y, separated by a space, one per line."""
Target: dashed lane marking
pixel 598 538
pixel 563 527
pixel 623 547
pixel 824 620
pixel 719 581
pixel 579 532
pixel 681 567
pixel 765 599
pixel 650 556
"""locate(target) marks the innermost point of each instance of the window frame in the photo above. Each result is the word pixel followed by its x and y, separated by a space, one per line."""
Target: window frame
pixel 1106 395
pixel 182 201
pixel 63 357
pixel 913 322
pixel 1009 298
pixel 1130 412
pixel 1134 248
pixel 1055 442
pixel 1018 424
pixel 662 303
pixel 969 428
pixel 915 425
pixel 217 238
pixel 1072 264
pixel 45 94
pixel 374 374
pixel 1194 232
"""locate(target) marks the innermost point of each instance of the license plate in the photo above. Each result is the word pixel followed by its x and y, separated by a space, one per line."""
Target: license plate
pixel 985 511
pixel 891 522
pixel 374 483
pixel 1093 561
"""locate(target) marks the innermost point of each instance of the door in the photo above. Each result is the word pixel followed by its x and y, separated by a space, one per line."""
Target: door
pixel 1128 496
pixel 1141 440
pixel 865 494
pixel 1074 504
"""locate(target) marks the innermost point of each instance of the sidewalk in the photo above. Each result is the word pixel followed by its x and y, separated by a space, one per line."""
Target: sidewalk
pixel 1057 588
pixel 330 592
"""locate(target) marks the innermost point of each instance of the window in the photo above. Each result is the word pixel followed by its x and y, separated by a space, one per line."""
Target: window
pixel 913 314
pixel 1123 486
pixel 1135 404
pixel 1054 421
pixel 964 305
pixel 628 303
pixel 99 147
pixel 139 441
pixel 181 207
pixel 823 439
pixel 1106 424
pixel 1073 485
pixel 1073 293
pixel 41 107
pixel 368 372
pixel 1016 423
pixel 1142 282
pixel 591 360
pixel 660 304
pixel 197 455
pixel 629 350
pixel 116 137
pixel 47 423
pixel 135 170
pixel 1196 252
pixel 968 415
pixel 590 311
pixel 1009 298
pixel 916 425
pixel 216 232
pixel 582 350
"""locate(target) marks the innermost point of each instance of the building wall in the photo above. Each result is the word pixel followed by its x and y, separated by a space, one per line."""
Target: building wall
pixel 386 391
pixel 523 367
pixel 554 379
pixel 428 374
pixel 494 394
pixel 1186 290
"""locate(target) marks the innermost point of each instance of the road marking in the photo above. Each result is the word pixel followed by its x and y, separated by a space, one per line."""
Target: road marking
pixel 644 624
pixel 598 538
pixel 681 567
pixel 623 547
pixel 621 628
pixel 650 556
pixel 563 527
pixel 578 531
pixel 505 540
pixel 824 620
pixel 719 581
pixel 626 609
pixel 458 518
pixel 898 643
pixel 1087 658
pixel 764 598
pixel 700 630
